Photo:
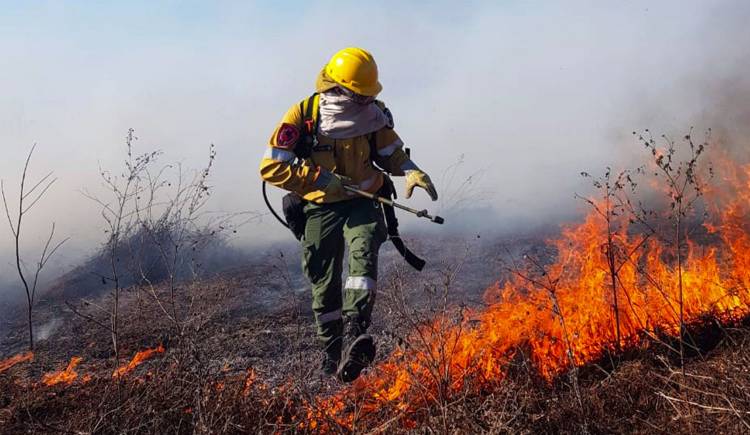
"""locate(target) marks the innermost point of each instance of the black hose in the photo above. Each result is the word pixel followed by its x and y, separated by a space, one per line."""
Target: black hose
pixel 270 207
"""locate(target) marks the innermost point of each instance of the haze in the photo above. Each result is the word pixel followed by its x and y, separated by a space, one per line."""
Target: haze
pixel 526 94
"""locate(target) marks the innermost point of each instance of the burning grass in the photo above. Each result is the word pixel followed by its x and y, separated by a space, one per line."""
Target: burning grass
pixel 646 392
pixel 15 359
pixel 564 315
pixel 622 329
pixel 66 376
pixel 137 360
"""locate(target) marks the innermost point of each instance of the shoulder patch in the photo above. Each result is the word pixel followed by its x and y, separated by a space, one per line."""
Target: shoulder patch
pixel 287 136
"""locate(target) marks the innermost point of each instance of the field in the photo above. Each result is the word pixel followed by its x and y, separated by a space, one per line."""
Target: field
pixel 628 320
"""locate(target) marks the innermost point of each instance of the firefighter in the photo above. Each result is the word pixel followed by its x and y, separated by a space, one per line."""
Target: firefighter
pixel 321 144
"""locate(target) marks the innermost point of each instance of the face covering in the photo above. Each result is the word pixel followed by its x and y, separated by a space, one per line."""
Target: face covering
pixel 343 117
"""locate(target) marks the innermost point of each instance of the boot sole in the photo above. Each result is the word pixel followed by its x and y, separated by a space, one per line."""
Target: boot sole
pixel 359 355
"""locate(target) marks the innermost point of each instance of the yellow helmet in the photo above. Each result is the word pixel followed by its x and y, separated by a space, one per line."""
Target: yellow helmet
pixel 356 70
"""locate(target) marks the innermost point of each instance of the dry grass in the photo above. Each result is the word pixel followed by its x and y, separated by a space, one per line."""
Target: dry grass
pixel 244 365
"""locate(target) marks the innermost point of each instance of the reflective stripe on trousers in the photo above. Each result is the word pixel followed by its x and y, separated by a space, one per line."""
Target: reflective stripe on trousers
pixel 361 283
pixel 329 316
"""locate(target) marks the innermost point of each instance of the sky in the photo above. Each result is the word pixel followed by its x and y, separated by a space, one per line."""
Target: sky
pixel 516 96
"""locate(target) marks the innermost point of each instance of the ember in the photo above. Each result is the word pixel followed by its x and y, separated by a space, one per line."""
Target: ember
pixel 252 376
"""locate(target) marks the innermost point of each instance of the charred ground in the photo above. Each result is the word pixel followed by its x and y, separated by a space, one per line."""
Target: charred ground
pixel 247 360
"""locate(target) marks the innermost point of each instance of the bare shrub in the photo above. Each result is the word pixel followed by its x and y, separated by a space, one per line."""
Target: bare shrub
pixel 156 227
pixel 685 183
pixel 27 199
pixel 611 206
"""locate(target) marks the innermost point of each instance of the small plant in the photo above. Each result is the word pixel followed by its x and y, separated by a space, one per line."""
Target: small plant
pixel 611 206
pixel 685 186
pixel 27 199
pixel 155 228
pixel 120 222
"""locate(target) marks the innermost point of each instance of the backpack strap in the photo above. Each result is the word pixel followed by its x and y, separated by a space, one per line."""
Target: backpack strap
pixel 372 141
pixel 310 120
pixel 391 222
pixel 309 109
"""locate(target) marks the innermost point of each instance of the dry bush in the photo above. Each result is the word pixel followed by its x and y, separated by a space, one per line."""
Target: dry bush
pixel 156 228
pixel 27 199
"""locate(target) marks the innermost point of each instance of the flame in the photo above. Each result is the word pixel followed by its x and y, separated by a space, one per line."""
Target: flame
pixel 15 359
pixel 66 376
pixel 137 360
pixel 565 317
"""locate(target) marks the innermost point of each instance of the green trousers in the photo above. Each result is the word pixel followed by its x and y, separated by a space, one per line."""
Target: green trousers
pixel 359 223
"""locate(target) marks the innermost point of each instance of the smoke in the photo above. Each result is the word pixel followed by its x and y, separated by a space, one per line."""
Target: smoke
pixel 44 331
pixel 502 103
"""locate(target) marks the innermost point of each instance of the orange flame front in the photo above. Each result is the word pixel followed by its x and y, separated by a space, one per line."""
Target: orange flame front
pixel 66 376
pixel 15 359
pixel 565 317
pixel 137 360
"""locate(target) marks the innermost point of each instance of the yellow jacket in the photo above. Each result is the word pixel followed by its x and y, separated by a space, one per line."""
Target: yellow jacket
pixel 348 157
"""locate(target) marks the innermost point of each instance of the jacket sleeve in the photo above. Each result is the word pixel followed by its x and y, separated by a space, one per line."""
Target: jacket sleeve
pixel 390 148
pixel 278 166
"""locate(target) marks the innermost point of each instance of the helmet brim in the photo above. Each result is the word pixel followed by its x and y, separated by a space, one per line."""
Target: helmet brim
pixel 370 91
pixel 324 82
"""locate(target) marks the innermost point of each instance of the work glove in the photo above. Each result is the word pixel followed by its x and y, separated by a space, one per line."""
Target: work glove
pixel 333 184
pixel 416 177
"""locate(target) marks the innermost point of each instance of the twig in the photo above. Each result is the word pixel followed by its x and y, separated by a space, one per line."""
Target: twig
pixel 700 405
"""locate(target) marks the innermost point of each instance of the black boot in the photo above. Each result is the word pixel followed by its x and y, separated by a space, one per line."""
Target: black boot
pixel 359 353
pixel 329 366
pixel 331 358
pixel 353 328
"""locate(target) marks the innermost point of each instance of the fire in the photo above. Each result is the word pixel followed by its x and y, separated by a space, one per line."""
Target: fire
pixel 15 359
pixel 66 376
pixel 562 315
pixel 137 360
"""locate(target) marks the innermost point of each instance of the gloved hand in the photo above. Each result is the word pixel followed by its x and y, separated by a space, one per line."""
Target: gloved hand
pixel 416 177
pixel 335 184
